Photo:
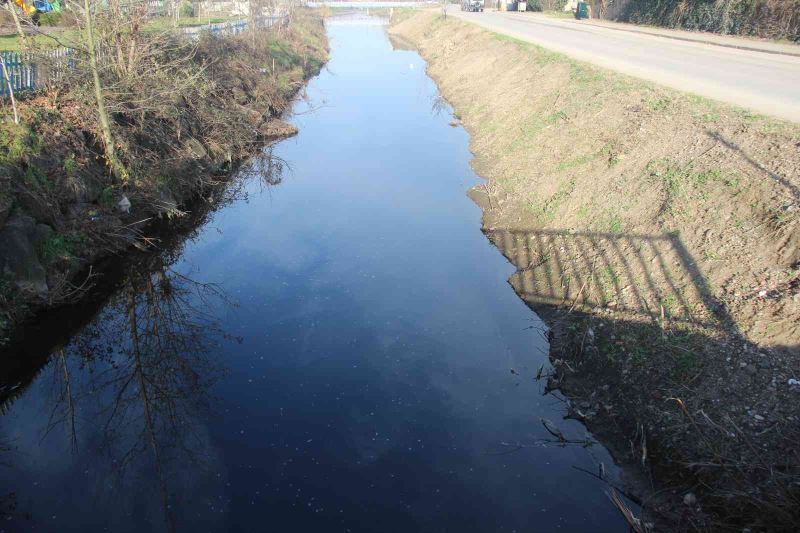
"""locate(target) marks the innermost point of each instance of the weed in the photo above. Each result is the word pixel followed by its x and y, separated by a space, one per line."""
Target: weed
pixel 670 176
pixel 701 178
pixel 576 162
pixel 733 182
pixel 748 116
pixel 661 104
pixel 555 118
pixel 668 303
pixel 70 165
pixel 772 126
pixel 544 257
pixel 710 117
pixel 36 179
pixel 164 183
pixel 673 177
pixel 60 247
pixel 638 355
pixel 547 212
pixel 108 197
pixel 611 155
pixel 777 218
pixel 583 74
pixel 686 364
pixel 611 275
pixel 614 224
pixel 17 143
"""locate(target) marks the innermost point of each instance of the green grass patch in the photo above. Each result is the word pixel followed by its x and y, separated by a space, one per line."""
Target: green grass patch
pixel 675 179
pixel 575 162
pixel 60 247
pixel 66 37
pixel 660 104
pixel 70 165
pixel 614 223
pixel 17 143
pixel 167 23
pixel 546 212
pixel 710 118
pixel 36 178
pixel 583 74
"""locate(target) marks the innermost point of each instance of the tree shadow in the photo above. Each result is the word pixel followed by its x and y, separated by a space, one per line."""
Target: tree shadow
pixel 793 189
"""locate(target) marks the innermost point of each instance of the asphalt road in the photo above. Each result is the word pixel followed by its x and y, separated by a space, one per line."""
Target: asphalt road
pixel 763 79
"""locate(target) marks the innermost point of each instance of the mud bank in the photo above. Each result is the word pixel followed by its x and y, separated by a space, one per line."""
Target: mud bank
pixel 181 129
pixel 657 234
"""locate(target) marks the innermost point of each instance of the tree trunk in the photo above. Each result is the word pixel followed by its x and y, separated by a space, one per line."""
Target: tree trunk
pixel 117 168
pixel 11 93
pixel 16 23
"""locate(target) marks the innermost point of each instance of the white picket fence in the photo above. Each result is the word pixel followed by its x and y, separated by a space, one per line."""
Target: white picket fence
pixel 25 74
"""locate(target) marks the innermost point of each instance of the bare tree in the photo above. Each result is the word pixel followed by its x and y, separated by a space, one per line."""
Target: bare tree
pixel 23 42
pixel 117 168
pixel 13 11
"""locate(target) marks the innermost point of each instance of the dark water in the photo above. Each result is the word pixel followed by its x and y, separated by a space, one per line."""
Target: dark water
pixel 333 353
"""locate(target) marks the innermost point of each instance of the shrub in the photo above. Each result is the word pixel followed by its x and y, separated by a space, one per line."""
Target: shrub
pixel 187 9
pixel 50 19
pixel 763 18
pixel 534 5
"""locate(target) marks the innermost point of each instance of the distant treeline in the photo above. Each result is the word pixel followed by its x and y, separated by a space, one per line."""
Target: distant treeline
pixel 776 19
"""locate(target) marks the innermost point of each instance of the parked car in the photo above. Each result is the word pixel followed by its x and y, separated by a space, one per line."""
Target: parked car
pixel 471 5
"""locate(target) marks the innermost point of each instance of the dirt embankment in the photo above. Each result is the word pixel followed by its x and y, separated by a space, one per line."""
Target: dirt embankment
pixel 658 234
pixel 185 114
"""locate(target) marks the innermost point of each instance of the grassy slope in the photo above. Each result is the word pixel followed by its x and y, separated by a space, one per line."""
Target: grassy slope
pixel 666 224
pixel 569 146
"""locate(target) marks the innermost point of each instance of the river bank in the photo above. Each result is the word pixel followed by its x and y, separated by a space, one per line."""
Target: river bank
pixel 329 354
pixel 657 235
pixel 201 108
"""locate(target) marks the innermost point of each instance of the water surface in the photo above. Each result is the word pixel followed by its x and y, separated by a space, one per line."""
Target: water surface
pixel 332 353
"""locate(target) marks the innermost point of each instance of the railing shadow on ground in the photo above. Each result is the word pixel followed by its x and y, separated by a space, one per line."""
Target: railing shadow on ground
pixel 638 336
pixel 640 276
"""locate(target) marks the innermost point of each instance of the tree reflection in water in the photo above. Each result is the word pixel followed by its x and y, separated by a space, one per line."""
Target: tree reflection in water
pixel 145 377
pixel 127 395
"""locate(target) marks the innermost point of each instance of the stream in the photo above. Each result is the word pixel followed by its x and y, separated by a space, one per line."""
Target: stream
pixel 335 349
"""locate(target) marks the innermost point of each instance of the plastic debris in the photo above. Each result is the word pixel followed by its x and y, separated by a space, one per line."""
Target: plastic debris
pixel 124 204
pixel 793 381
